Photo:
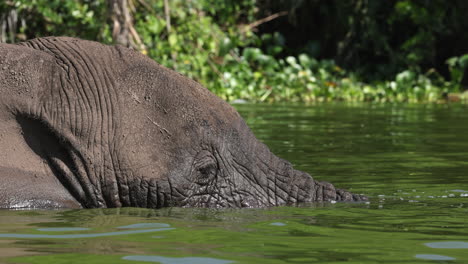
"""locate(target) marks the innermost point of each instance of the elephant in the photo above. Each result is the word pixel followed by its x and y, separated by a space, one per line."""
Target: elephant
pixel 89 125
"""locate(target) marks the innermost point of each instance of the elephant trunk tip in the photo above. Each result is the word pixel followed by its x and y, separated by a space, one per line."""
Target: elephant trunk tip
pixel 329 193
pixel 345 196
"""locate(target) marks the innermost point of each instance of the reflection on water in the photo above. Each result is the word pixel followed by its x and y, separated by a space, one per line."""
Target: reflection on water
pixel 162 227
pixel 462 191
pixel 120 233
pixel 410 159
pixel 448 244
pixel 188 260
pixel 144 225
pixel 278 224
pixel 62 229
pixel 433 257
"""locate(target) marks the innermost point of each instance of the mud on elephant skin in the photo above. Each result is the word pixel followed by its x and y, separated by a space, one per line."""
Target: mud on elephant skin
pixel 88 125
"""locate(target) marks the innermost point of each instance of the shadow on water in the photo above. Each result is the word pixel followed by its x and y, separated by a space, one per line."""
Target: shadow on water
pixel 141 228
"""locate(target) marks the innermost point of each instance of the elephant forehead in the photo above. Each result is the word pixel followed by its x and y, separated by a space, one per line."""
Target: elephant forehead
pixel 171 104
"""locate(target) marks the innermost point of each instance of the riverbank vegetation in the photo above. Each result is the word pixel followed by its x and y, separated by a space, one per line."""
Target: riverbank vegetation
pixel 273 50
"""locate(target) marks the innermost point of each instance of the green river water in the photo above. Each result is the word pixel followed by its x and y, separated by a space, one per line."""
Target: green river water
pixel 411 160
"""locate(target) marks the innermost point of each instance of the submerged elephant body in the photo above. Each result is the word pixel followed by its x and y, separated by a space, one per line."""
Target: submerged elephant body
pixel 88 125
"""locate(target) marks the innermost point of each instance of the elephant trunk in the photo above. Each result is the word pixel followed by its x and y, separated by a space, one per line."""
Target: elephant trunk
pixel 282 184
pixel 294 186
pixel 325 191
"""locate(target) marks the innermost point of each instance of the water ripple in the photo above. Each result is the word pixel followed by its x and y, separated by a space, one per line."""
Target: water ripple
pixel 434 257
pixel 118 233
pixel 278 224
pixel 63 229
pixel 145 225
pixel 448 244
pixel 168 260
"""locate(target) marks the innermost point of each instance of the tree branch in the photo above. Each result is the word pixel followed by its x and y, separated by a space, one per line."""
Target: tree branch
pixel 265 20
pixel 167 13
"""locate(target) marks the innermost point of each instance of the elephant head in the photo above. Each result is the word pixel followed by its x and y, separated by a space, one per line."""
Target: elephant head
pixel 129 132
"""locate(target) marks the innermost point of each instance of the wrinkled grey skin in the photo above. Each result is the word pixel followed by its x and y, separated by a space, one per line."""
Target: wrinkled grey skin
pixel 88 125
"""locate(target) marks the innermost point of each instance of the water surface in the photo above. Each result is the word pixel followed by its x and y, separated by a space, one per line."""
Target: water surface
pixel 411 160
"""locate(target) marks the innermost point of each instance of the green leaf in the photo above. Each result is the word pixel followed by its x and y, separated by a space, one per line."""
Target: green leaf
pixel 464 61
pixel 172 39
pixel 452 61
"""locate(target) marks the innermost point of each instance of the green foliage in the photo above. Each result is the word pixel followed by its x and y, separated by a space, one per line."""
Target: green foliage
pixel 79 18
pixel 377 39
pixel 214 43
pixel 425 22
pixel 226 59
pixel 457 68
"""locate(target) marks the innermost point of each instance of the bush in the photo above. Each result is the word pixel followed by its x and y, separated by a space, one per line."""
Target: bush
pixel 215 43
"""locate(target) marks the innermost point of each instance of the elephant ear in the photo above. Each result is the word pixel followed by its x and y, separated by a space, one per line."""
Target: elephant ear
pixel 105 104
pixel 25 75
pixel 80 105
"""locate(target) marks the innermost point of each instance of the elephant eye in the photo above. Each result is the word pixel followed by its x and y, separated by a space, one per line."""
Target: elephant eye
pixel 206 168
